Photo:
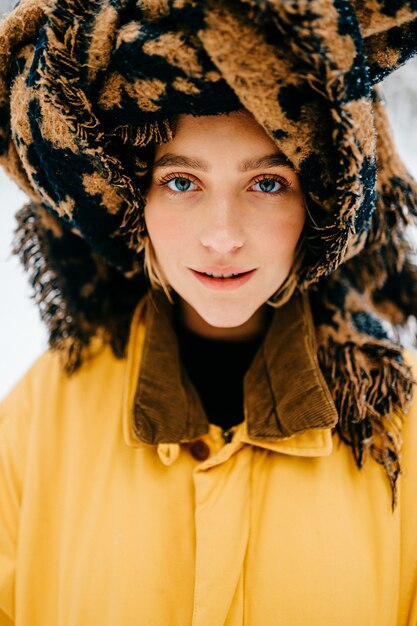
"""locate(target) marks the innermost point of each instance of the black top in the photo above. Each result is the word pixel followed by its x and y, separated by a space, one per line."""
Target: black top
pixel 216 368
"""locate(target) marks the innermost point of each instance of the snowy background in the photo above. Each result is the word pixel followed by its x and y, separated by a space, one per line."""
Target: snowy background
pixel 22 337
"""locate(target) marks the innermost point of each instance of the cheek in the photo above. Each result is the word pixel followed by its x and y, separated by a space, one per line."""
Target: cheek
pixel 166 231
pixel 279 236
pixel 156 223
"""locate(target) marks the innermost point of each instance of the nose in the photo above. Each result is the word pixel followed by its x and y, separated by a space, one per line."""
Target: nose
pixel 222 229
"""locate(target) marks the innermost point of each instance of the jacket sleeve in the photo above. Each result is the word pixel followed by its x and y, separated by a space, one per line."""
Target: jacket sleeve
pixel 408 504
pixel 13 436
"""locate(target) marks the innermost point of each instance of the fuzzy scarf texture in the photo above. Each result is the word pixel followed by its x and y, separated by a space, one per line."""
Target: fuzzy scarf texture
pixel 88 87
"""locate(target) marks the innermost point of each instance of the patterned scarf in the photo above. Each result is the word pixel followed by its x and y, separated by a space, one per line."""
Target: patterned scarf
pixel 87 88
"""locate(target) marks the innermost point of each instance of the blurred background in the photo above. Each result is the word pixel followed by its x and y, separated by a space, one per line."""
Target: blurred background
pixel 23 338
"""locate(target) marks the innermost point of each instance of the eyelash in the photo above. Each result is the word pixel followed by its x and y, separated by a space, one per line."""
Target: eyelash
pixel 285 184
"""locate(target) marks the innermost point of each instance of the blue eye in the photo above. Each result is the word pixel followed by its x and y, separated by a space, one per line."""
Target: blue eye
pixel 181 184
pixel 269 185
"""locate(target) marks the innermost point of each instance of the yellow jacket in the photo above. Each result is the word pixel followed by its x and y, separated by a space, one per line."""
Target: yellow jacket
pixel 99 527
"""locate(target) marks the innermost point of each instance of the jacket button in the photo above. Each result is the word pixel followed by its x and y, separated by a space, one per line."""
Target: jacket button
pixel 200 450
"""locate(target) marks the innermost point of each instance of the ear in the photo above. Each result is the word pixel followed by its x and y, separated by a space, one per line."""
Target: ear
pixel 390 34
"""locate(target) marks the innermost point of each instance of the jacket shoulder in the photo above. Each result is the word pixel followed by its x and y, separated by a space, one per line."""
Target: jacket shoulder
pixel 46 392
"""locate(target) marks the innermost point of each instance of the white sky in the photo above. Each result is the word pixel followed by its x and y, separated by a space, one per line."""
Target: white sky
pixel 22 337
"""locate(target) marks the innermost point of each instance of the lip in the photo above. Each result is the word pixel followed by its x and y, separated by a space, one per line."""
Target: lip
pixel 222 269
pixel 223 284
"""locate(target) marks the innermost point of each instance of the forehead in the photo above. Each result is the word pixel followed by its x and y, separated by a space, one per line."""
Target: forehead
pixel 197 140
pixel 238 121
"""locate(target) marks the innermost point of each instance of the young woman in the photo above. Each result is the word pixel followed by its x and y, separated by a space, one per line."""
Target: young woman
pixel 231 440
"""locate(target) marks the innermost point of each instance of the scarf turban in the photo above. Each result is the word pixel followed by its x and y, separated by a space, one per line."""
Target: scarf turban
pixel 87 88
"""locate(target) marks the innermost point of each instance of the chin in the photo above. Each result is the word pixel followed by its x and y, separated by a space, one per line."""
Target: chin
pixel 222 316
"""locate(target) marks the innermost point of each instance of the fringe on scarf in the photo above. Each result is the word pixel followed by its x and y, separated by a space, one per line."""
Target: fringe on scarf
pixel 141 136
pixel 101 307
pixel 65 334
pixel 371 386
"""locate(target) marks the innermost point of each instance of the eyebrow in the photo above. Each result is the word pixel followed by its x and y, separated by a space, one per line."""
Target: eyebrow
pixel 270 160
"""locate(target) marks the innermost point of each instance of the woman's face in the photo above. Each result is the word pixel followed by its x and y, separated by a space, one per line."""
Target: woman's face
pixel 224 213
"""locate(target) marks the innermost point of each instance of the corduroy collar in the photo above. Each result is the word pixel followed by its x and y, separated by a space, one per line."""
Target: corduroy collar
pixel 284 390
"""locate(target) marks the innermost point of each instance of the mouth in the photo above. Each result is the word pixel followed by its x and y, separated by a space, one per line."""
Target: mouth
pixel 226 280
pixel 231 275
